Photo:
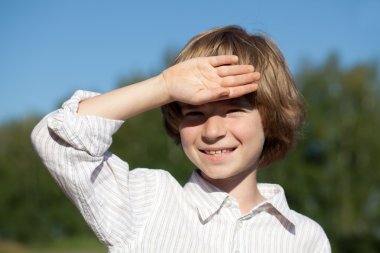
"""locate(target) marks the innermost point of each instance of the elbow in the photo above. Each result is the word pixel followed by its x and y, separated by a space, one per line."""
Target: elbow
pixel 39 137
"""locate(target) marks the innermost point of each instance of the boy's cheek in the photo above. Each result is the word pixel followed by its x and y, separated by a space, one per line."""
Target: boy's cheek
pixel 185 138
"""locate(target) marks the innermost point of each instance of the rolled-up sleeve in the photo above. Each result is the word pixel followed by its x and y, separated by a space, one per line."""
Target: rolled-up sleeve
pixel 74 149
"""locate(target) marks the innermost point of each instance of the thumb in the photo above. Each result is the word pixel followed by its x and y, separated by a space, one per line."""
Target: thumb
pixel 210 95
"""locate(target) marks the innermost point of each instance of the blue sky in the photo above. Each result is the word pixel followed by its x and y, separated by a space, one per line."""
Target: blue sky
pixel 48 49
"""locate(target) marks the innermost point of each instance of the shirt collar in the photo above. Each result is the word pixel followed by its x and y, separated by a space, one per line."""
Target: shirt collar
pixel 209 199
pixel 275 198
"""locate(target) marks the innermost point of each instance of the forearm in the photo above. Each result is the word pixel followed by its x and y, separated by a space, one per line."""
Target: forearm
pixel 127 101
pixel 195 81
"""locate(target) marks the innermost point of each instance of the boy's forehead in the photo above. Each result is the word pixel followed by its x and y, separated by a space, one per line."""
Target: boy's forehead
pixel 238 102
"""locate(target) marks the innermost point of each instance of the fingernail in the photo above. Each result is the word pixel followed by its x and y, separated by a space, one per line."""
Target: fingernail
pixel 225 93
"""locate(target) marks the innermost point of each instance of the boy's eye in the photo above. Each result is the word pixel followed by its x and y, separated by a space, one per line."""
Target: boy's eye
pixel 235 111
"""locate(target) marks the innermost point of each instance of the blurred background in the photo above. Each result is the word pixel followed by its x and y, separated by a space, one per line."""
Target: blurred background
pixel 49 49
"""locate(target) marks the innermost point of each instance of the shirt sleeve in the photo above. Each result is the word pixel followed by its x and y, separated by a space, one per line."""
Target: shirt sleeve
pixel 326 246
pixel 321 241
pixel 114 201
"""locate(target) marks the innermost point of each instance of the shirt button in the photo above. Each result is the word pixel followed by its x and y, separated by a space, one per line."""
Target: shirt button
pixel 228 203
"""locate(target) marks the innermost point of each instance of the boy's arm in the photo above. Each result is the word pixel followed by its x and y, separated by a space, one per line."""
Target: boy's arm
pixel 114 201
pixel 196 81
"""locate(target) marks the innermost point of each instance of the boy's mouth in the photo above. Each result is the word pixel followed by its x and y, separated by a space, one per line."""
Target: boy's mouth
pixel 217 152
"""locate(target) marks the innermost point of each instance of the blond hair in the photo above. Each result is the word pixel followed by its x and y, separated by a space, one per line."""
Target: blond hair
pixel 277 99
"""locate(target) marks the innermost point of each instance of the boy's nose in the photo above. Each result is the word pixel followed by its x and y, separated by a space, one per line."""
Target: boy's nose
pixel 214 128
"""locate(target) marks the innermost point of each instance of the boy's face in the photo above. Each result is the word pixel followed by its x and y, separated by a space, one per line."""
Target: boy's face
pixel 224 139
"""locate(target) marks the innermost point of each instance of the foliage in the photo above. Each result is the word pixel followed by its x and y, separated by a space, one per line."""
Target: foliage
pixel 32 207
pixel 67 245
pixel 332 176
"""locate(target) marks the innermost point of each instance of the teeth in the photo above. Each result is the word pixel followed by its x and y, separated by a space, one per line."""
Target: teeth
pixel 216 152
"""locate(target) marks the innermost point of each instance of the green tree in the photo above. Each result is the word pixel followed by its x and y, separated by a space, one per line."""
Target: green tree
pixel 32 208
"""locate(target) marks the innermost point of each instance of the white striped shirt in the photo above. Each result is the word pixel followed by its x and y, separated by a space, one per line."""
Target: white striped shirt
pixel 146 210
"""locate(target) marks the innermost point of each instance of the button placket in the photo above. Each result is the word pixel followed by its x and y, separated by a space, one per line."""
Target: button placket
pixel 239 224
pixel 237 234
pixel 237 246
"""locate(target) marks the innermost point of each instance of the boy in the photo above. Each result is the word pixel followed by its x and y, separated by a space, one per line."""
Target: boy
pixel 226 128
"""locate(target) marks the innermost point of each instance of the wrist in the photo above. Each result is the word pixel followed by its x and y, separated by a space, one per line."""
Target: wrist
pixel 164 87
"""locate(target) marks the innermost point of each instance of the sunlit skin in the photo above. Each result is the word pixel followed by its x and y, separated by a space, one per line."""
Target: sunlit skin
pixel 224 140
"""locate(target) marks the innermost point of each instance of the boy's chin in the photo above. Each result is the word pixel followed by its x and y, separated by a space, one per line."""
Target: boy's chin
pixel 216 175
pixel 224 175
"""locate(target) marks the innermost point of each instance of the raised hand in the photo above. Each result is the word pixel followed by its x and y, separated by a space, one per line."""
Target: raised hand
pixel 206 79
pixel 196 81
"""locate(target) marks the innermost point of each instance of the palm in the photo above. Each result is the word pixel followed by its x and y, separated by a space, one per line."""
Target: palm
pixel 206 79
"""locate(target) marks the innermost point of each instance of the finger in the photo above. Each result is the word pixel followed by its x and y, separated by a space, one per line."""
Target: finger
pixel 210 95
pixel 242 90
pixel 238 80
pixel 219 60
pixel 232 70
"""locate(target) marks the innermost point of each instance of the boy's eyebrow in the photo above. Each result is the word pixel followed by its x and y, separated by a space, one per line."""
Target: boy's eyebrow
pixel 239 102
pixel 184 106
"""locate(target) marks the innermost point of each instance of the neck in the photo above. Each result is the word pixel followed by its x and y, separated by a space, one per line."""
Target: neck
pixel 243 188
